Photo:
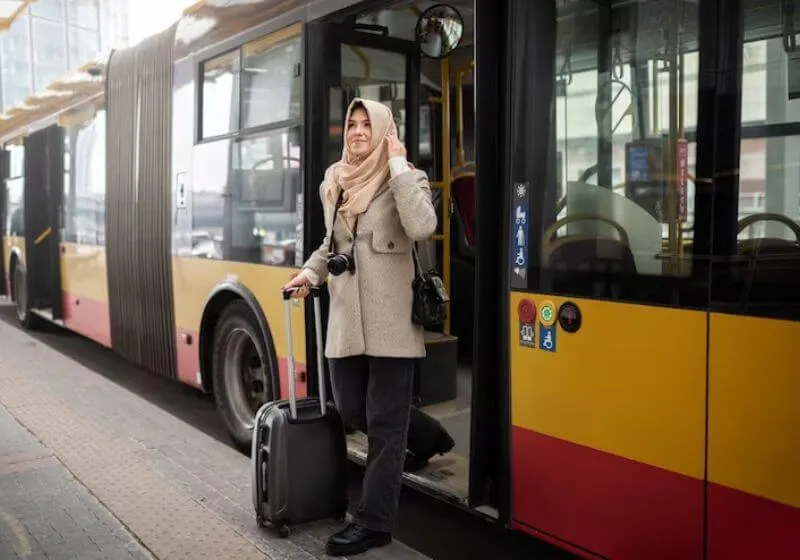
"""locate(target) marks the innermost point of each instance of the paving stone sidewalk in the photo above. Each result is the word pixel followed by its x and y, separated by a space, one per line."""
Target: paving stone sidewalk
pixel 105 464
pixel 46 513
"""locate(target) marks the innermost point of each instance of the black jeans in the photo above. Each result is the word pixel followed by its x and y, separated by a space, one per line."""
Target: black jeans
pixel 373 395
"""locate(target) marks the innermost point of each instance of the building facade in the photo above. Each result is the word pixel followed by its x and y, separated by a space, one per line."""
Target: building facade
pixel 51 37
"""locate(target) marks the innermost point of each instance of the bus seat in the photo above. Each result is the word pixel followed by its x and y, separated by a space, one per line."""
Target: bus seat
pixel 606 261
pixel 591 254
pixel 588 252
pixel 768 246
pixel 769 267
pixel 463 189
pixel 462 263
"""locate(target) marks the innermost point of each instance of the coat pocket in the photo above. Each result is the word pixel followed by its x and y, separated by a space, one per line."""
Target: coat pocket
pixel 391 242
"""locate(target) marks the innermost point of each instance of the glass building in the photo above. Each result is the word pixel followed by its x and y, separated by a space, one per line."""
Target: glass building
pixel 48 38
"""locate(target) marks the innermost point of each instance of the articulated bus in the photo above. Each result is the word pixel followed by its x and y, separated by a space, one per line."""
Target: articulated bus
pixel 619 193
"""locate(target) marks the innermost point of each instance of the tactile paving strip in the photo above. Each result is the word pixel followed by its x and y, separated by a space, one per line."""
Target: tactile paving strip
pixel 166 520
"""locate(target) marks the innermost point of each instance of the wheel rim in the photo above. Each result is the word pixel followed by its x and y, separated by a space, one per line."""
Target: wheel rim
pixel 245 377
pixel 20 294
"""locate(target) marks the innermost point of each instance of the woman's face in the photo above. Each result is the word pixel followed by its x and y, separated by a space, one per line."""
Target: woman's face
pixel 359 133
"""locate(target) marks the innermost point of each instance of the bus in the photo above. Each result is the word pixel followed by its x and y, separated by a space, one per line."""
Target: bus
pixel 618 202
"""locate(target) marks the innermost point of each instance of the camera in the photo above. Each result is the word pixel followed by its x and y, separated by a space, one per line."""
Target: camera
pixel 340 262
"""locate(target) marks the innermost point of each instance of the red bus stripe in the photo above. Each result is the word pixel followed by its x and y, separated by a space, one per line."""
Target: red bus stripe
pixel 742 526
pixel 612 506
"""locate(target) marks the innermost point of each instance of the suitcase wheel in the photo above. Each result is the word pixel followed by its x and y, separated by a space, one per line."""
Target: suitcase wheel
pixel 284 531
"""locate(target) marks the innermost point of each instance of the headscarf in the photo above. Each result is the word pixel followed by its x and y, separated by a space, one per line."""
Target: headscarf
pixel 360 177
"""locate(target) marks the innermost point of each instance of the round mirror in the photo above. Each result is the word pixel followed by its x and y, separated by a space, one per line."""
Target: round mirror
pixel 439 31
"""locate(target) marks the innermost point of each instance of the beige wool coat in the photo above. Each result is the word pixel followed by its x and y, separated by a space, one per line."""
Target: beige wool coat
pixel 370 310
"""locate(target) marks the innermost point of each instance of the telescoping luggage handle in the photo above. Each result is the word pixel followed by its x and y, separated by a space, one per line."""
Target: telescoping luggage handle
pixel 287 296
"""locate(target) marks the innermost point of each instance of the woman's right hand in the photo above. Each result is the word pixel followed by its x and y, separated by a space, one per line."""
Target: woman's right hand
pixel 298 285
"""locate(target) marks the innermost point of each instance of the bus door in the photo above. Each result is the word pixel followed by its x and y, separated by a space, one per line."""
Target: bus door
pixel 372 52
pixel 753 499
pixel 608 276
pixel 347 61
pixel 44 180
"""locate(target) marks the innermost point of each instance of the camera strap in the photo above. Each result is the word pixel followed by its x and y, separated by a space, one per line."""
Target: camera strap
pixel 331 242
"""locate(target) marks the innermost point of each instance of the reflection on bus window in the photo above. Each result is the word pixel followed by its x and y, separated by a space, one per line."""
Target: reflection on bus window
pixel 15 184
pixel 245 199
pixel 763 272
pixel 626 111
pixel 769 168
pixel 220 99
pixel 271 82
pixel 267 176
pixel 85 182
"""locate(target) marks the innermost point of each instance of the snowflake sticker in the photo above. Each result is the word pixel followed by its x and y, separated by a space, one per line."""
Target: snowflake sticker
pixel 522 190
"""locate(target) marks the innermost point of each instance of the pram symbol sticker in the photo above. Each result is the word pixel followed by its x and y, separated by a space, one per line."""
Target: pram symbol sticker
pixel 526 310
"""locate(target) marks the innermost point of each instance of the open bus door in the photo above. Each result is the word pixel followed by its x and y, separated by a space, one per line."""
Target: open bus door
pixel 430 85
pixel 44 180
pixel 346 61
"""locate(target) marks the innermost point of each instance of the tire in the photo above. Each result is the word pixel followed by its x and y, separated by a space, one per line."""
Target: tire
pixel 242 379
pixel 26 319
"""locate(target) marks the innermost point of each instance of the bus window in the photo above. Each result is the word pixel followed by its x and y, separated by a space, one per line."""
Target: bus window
pixel 14 211
pixel 220 96
pixel 85 182
pixel 620 203
pixel 763 270
pixel 272 89
pixel 246 180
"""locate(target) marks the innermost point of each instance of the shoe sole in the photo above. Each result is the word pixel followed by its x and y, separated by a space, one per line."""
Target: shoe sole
pixel 352 549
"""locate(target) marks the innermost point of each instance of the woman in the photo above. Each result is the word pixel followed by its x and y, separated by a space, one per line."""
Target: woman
pixel 376 205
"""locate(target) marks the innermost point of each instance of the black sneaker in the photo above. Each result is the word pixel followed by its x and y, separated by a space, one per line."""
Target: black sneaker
pixel 355 539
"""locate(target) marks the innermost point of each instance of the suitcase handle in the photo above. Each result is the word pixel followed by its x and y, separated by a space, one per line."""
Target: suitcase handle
pixel 287 296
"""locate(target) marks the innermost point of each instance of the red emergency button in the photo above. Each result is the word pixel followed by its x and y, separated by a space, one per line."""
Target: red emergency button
pixel 526 311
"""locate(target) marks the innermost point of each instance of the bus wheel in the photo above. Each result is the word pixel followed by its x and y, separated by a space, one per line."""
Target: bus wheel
pixel 241 375
pixel 27 319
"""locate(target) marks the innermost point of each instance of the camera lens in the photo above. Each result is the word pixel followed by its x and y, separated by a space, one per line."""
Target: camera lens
pixel 337 264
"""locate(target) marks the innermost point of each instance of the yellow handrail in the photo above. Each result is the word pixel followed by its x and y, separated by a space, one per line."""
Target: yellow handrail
pixel 460 75
pixel 445 183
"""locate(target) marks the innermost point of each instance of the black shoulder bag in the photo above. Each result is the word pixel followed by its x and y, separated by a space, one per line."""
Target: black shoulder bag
pixel 430 297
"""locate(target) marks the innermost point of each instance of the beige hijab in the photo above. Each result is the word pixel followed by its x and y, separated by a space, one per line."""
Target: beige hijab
pixel 361 177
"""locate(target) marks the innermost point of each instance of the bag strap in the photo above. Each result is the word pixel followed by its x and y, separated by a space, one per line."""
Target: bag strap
pixel 339 202
pixel 417 262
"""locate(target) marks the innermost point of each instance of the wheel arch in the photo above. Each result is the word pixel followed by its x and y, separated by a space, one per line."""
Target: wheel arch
pixel 223 294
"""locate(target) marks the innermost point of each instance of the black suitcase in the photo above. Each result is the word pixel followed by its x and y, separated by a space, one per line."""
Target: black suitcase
pixel 299 451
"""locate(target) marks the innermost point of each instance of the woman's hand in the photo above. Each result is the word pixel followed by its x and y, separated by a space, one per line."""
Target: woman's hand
pixel 396 148
pixel 298 285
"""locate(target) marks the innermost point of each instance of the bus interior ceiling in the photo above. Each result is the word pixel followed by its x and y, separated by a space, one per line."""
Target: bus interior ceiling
pixel 445 151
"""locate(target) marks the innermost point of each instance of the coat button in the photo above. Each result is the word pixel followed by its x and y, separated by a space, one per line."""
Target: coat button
pixel 391 244
pixel 349 239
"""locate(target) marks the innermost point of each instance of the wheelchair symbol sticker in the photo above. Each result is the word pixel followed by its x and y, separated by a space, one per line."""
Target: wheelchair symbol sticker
pixel 547 338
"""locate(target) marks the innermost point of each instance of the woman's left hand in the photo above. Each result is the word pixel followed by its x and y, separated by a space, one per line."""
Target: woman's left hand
pixel 396 148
